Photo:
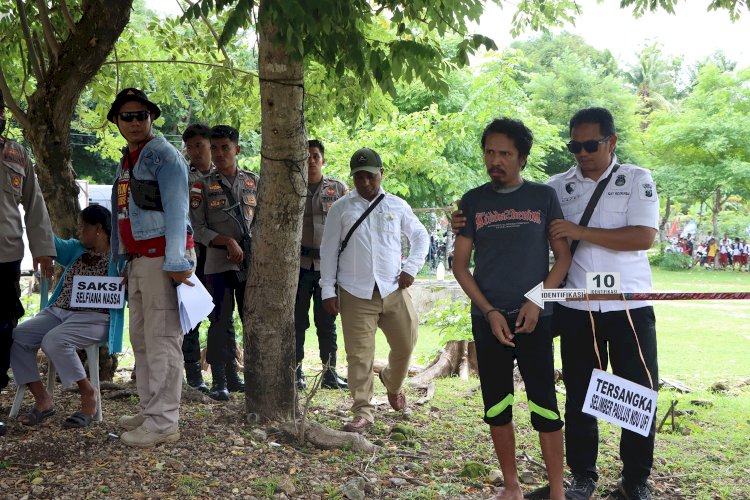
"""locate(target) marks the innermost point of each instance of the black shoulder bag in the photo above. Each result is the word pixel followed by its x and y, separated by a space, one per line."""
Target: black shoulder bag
pixel 586 217
pixel 359 221
pixel 589 211
pixel 146 194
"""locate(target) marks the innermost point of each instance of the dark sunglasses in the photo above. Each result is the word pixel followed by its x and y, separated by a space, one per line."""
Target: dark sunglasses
pixel 590 146
pixel 129 116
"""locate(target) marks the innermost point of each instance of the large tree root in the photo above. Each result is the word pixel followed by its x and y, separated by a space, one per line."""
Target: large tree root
pixel 458 357
pixel 326 438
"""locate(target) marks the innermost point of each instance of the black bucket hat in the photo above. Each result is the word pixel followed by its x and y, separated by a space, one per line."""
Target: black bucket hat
pixel 131 94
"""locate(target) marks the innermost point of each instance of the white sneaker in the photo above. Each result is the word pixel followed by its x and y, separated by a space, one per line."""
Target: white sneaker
pixel 131 422
pixel 144 438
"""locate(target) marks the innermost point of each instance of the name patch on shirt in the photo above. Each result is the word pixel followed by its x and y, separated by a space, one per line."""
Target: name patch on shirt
pixel 568 199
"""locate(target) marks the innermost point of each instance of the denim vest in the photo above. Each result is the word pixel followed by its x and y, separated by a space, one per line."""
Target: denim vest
pixel 159 161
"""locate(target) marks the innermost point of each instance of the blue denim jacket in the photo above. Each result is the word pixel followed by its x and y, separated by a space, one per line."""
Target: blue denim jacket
pixel 159 161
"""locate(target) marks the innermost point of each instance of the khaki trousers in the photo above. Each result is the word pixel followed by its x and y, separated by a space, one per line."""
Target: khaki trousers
pixel 156 337
pixel 360 319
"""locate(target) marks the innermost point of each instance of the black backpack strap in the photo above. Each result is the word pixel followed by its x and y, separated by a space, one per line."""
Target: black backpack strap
pixel 586 217
pixel 359 221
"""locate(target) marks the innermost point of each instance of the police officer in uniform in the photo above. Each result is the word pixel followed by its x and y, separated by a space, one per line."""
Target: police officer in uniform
pixel 222 208
pixel 19 186
pixel 322 193
pixel 621 229
pixel 197 140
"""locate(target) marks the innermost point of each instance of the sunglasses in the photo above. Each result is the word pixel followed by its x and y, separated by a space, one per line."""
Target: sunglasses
pixel 129 116
pixel 590 146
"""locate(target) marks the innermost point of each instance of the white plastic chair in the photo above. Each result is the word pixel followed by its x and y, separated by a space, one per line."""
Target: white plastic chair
pixel 92 355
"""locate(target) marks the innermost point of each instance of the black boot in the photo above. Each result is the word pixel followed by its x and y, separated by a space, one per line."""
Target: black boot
pixel 219 390
pixel 234 382
pixel 301 384
pixel 331 379
pixel 194 376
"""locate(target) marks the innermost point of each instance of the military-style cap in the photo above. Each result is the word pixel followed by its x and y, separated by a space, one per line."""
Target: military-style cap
pixel 365 159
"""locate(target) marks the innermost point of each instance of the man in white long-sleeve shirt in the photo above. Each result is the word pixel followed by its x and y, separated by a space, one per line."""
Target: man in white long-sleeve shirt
pixel 372 284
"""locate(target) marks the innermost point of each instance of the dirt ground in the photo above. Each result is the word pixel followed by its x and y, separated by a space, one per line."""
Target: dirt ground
pixel 220 455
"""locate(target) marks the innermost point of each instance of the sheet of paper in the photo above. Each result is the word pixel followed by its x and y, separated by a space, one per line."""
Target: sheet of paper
pixel 195 304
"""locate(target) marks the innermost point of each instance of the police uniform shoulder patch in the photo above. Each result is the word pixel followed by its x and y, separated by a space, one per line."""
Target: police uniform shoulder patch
pixel 195 200
pixel 196 195
pixel 13 153
pixel 15 181
pixel 647 191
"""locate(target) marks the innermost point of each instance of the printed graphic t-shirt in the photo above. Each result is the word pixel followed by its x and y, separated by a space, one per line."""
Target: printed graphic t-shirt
pixel 511 246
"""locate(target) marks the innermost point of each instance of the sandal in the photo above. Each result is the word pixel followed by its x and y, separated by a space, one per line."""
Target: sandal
pixel 35 416
pixel 78 420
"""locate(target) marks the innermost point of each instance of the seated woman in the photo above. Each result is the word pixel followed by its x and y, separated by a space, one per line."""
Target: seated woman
pixel 60 329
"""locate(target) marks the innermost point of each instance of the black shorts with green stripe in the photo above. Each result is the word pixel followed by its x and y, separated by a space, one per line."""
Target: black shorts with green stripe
pixel 534 354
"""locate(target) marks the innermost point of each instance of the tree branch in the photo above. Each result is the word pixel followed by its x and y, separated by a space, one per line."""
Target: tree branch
pixel 33 58
pixel 39 51
pixel 177 61
pixel 49 33
pixel 67 16
pixel 18 113
pixel 117 69
pixel 212 30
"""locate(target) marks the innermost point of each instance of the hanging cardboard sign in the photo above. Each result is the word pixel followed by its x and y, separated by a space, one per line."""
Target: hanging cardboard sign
pixel 622 402
pixel 97 292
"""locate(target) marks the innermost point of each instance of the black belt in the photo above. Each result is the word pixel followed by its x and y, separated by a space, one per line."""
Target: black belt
pixel 313 253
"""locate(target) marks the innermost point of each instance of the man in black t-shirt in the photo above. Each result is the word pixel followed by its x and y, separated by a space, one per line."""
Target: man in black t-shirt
pixel 507 227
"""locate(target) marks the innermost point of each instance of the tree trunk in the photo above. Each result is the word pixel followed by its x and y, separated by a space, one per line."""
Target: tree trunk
pixel 715 223
pixel 52 104
pixel 50 111
pixel 715 213
pixel 269 312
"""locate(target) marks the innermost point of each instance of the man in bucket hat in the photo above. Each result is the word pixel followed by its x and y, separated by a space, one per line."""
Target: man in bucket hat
pixel 365 262
pixel 150 229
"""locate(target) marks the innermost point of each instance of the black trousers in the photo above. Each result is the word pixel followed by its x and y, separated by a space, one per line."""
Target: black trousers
pixel 11 310
pixel 225 288
pixel 191 343
pixel 617 346
pixel 325 324
pixel 535 357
